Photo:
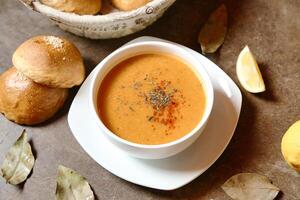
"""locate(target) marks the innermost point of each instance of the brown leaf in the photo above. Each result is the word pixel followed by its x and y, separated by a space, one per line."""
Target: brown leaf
pixel 71 185
pixel 213 33
pixel 250 186
pixel 18 161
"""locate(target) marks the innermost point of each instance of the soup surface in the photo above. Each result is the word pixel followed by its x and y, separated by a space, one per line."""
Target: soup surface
pixel 151 99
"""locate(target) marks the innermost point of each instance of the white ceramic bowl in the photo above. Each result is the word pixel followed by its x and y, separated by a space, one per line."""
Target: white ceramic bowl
pixel 151 151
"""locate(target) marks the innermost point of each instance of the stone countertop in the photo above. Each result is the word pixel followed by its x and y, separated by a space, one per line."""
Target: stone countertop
pixel 272 30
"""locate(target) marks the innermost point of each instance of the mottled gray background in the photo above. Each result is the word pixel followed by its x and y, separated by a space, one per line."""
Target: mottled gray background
pixel 272 30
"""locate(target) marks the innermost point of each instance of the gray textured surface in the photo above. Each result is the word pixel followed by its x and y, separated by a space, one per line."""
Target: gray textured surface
pixel 272 30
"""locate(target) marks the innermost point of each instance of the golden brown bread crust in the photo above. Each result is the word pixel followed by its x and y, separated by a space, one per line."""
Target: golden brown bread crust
pixel 81 7
pixel 127 5
pixel 51 61
pixel 26 102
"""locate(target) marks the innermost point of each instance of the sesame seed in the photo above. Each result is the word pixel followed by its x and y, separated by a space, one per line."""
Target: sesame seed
pixel 54 41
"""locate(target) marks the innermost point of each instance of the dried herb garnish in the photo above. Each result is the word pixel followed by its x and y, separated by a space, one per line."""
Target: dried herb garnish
pixel 159 98
pixel 165 100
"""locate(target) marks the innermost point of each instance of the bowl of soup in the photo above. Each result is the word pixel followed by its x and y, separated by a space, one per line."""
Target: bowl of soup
pixel 151 99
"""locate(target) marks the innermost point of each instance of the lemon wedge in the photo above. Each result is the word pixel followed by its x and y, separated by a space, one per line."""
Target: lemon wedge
pixel 248 72
pixel 290 146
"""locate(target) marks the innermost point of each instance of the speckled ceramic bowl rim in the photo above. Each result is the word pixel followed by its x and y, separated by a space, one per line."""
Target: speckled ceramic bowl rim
pixel 90 19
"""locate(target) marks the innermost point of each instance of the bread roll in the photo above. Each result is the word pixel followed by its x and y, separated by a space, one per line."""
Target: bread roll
pixel 127 5
pixel 81 7
pixel 26 102
pixel 51 61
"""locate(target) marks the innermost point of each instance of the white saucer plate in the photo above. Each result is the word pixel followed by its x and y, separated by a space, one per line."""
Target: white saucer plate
pixel 176 171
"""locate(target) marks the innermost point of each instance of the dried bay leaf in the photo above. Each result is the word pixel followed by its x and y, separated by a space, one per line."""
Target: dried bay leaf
pixel 72 186
pixel 249 186
pixel 213 33
pixel 18 161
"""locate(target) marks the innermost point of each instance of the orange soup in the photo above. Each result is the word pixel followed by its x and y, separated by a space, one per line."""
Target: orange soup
pixel 151 99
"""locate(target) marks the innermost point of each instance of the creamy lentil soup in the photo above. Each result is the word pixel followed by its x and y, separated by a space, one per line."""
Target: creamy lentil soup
pixel 151 99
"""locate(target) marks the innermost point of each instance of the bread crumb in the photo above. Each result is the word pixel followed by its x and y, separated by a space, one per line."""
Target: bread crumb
pixel 54 41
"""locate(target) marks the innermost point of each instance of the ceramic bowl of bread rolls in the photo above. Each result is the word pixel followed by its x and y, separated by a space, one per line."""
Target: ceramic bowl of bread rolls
pixel 101 19
pixel 36 87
